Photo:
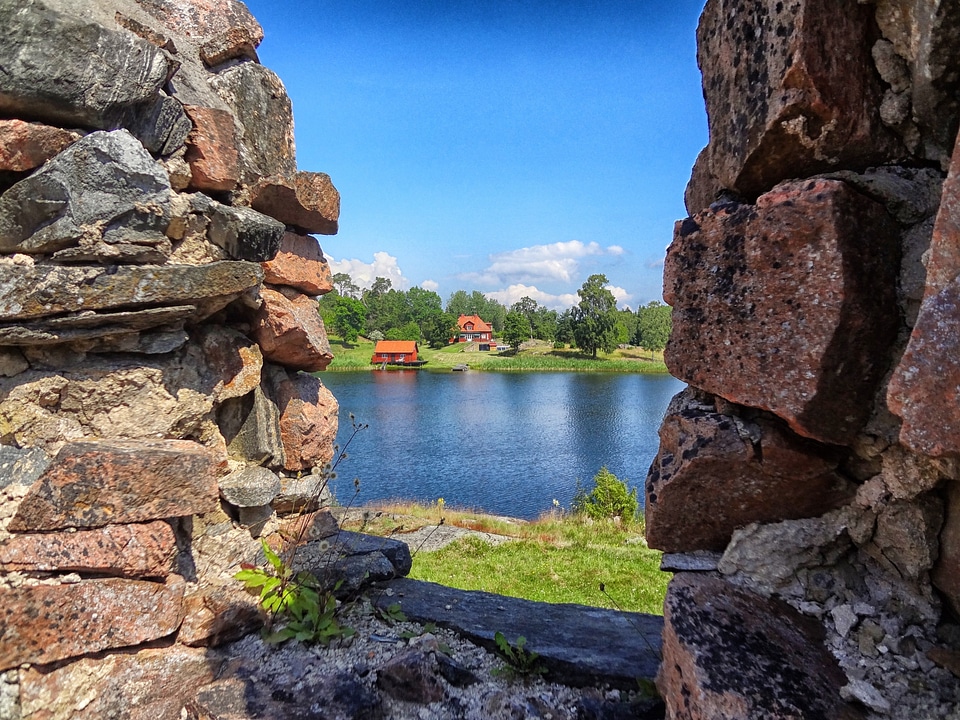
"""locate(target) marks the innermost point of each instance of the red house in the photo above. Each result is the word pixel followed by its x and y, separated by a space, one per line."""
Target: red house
pixel 396 352
pixel 473 329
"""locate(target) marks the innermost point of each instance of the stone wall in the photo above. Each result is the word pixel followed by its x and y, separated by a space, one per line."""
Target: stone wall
pixel 157 317
pixel 806 488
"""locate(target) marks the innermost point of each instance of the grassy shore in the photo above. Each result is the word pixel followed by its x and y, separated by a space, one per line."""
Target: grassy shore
pixel 536 355
pixel 559 558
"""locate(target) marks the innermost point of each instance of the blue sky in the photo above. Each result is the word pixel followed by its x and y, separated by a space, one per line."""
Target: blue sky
pixel 509 147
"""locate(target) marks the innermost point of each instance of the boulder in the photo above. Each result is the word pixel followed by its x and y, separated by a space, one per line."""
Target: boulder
pixel 233 355
pixel 259 101
pixel 117 331
pixel 303 493
pixel 91 484
pixel 231 44
pixel 730 654
pixel 923 391
pixel 790 91
pixel 144 550
pixel 44 290
pixel 578 645
pixel 906 541
pixel 105 187
pixel 149 684
pixel 251 427
pixel 308 418
pixel 245 234
pixel 47 623
pixel 21 466
pixel 212 149
pixel 217 614
pixel 204 18
pixel 308 201
pixel 51 75
pixel 289 330
pixel 252 486
pixel 28 145
pixel 412 676
pixel 714 473
pixel 783 306
pixel 299 264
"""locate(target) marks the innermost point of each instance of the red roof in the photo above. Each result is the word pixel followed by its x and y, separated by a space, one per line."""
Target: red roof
pixel 478 324
pixel 395 346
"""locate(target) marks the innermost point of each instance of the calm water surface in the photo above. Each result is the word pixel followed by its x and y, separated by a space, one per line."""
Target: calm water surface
pixel 504 443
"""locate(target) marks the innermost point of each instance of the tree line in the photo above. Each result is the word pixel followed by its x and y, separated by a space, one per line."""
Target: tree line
pixel 381 312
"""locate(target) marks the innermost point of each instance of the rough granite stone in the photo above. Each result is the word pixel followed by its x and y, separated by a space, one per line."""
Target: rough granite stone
pixel 308 201
pixel 790 91
pixel 943 265
pixel 608 646
pixel 204 18
pixel 47 623
pixel 308 418
pixel 251 486
pixel 51 75
pixel 103 187
pixel 28 145
pixel 260 103
pixel 244 233
pixel 212 149
pixel 714 473
pixel 299 264
pixel 217 614
pixel 233 43
pixel 251 428
pixel 946 570
pixel 730 654
pixel 232 354
pixel 149 684
pixel 21 465
pixel 788 306
pixel 143 550
pixel 289 330
pixel 44 290
pixel 92 484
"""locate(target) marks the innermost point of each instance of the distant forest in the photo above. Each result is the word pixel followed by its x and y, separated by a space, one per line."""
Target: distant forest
pixel 382 312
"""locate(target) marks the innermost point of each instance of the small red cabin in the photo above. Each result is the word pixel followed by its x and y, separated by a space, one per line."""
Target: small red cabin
pixel 473 329
pixel 396 352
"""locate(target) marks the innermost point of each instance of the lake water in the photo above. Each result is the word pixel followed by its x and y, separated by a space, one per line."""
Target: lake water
pixel 504 443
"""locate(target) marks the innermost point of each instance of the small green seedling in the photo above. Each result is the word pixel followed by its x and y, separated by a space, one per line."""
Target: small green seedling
pixel 520 662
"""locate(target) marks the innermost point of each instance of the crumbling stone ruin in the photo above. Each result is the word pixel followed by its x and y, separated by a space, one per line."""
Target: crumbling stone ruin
pixel 806 489
pixel 157 310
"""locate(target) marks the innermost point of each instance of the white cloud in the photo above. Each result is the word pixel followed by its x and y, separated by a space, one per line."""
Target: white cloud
pixel 557 261
pixel 363 274
pixel 513 294
pixel 615 250
pixel 620 294
pixel 431 285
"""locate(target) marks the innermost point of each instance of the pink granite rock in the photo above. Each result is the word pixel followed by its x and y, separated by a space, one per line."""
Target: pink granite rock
pixel 203 18
pixel 97 483
pixel 137 551
pixel 308 418
pixel 150 684
pixel 925 388
pixel 308 201
pixel 233 355
pixel 943 265
pixel 46 623
pixel 232 43
pixel 729 654
pixel 790 91
pixel 289 330
pixel 299 264
pixel 212 149
pixel 715 473
pixel 788 305
pixel 25 145
pixel 217 614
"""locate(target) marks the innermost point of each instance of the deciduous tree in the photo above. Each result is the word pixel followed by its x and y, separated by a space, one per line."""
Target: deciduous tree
pixel 595 316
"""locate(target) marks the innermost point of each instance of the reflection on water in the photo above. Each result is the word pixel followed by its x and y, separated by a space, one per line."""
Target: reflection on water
pixel 505 443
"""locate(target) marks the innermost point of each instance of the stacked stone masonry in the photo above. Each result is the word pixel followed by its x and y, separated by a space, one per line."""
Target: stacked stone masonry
pixel 158 276
pixel 810 471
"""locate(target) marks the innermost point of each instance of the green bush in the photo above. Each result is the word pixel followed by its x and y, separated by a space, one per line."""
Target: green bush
pixel 609 498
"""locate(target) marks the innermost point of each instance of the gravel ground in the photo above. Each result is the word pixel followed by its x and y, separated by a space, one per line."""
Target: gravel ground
pixel 400 671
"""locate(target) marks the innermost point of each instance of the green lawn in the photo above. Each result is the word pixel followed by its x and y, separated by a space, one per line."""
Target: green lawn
pixel 557 559
pixel 541 356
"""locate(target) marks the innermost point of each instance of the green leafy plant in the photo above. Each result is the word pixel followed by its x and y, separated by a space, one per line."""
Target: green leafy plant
pixel 520 662
pixel 299 608
pixel 609 498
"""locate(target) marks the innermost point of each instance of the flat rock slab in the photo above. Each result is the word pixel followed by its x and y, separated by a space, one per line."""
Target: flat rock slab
pixel 578 645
